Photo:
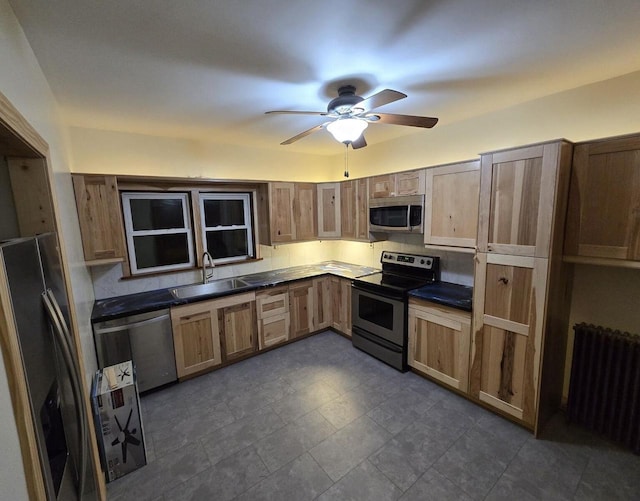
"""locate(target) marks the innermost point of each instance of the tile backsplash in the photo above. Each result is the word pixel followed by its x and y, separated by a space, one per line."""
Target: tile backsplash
pixel 455 267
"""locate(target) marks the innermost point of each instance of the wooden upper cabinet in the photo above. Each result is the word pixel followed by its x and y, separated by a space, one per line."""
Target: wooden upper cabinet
pixel 354 209
pixel 305 215
pixel 603 219
pixel 196 337
pixel 281 216
pixel 410 183
pixel 440 342
pixel 100 217
pixel 518 198
pixel 451 205
pixel 328 210
pixel 508 324
pixel 31 195
pixel 362 209
pixel 382 186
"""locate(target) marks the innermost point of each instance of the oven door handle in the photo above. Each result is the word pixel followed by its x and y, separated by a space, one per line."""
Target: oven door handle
pixel 375 293
pixel 376 339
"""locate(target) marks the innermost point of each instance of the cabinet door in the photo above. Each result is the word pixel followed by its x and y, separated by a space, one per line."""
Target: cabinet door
pixel 305 211
pixel 273 330
pixel 410 183
pixel 341 307
pixel 508 328
pixel 329 210
pixel 301 308
pixel 238 330
pixel 362 209
pixel 281 212
pixel 451 205
pixel 100 217
pixel 348 209
pixel 382 186
pixel 604 200
pixel 322 303
pixel 517 196
pixel 440 343
pixel 196 338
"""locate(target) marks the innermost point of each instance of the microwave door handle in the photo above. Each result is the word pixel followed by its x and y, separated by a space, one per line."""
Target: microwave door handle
pixel 57 323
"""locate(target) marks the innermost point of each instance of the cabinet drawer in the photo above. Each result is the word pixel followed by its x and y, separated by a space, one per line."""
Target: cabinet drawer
pixel 272 302
pixel 273 330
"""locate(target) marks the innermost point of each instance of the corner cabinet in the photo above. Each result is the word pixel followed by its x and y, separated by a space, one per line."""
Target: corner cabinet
pixel 341 304
pixel 603 220
pixel 329 210
pixel 354 209
pixel 440 342
pixel 520 303
pixel 100 218
pixel 451 205
pixel 196 338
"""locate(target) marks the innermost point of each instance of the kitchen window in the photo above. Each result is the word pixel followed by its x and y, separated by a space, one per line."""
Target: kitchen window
pixel 226 226
pixel 158 231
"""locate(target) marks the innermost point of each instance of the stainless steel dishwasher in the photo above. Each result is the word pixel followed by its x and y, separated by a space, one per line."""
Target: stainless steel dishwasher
pixel 146 339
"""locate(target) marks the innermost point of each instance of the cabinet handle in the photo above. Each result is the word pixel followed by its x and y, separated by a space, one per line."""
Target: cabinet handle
pixel 504 280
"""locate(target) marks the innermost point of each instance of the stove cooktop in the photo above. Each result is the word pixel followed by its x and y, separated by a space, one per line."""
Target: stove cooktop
pixel 401 283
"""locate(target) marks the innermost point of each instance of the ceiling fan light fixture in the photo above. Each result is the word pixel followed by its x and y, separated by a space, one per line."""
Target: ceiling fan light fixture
pixel 347 130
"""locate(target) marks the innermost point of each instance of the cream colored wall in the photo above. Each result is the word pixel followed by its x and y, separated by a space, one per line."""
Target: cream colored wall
pixel 607 108
pixel 102 152
pixel 23 83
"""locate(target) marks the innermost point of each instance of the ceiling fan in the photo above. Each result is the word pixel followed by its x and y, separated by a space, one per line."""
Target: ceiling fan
pixel 352 114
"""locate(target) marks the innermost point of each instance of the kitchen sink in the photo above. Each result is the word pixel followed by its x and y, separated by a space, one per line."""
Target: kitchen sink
pixel 189 291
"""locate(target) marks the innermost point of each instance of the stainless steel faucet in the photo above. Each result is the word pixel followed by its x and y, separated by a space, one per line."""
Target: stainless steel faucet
pixel 206 276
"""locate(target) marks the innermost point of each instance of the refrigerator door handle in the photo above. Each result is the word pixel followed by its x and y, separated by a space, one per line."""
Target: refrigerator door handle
pixel 61 333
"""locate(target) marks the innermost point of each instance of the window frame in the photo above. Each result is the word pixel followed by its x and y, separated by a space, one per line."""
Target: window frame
pixel 130 233
pixel 246 197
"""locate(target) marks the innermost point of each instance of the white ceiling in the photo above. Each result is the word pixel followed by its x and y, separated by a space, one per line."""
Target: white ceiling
pixel 209 69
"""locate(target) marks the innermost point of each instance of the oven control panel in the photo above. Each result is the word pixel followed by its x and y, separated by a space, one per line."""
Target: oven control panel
pixel 412 260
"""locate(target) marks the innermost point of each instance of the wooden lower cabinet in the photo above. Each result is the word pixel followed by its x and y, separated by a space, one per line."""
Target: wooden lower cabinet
pixel 238 326
pixel 196 337
pixel 301 308
pixel 341 304
pixel 508 328
pixel 439 342
pixel 322 317
pixel 273 316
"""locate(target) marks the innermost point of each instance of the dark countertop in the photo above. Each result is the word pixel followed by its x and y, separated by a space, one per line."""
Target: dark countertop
pixel 447 294
pixel 143 302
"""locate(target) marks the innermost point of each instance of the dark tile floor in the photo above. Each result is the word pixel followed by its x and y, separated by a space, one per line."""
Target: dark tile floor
pixel 318 419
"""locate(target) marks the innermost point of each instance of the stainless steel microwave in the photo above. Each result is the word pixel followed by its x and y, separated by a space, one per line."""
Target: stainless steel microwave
pixel 397 214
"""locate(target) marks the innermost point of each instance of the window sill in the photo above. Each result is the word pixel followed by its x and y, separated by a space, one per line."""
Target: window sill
pixel 183 270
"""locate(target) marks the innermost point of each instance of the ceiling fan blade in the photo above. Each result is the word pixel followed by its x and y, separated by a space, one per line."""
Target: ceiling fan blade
pixel 383 97
pixel 359 143
pixel 305 133
pixel 410 120
pixel 289 112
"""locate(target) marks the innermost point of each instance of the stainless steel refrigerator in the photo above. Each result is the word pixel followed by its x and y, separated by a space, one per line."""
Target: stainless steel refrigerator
pixel 41 312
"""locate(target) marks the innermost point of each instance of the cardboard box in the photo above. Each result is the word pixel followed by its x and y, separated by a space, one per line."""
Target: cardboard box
pixel 116 408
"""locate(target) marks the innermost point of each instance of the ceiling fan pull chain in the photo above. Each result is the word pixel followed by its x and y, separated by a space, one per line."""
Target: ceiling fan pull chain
pixel 346 159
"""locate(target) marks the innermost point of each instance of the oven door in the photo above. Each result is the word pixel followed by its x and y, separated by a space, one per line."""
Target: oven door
pixel 378 314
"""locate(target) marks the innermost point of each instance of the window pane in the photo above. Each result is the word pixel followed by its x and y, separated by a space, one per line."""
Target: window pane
pixel 223 213
pixel 161 250
pixel 156 213
pixel 227 243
